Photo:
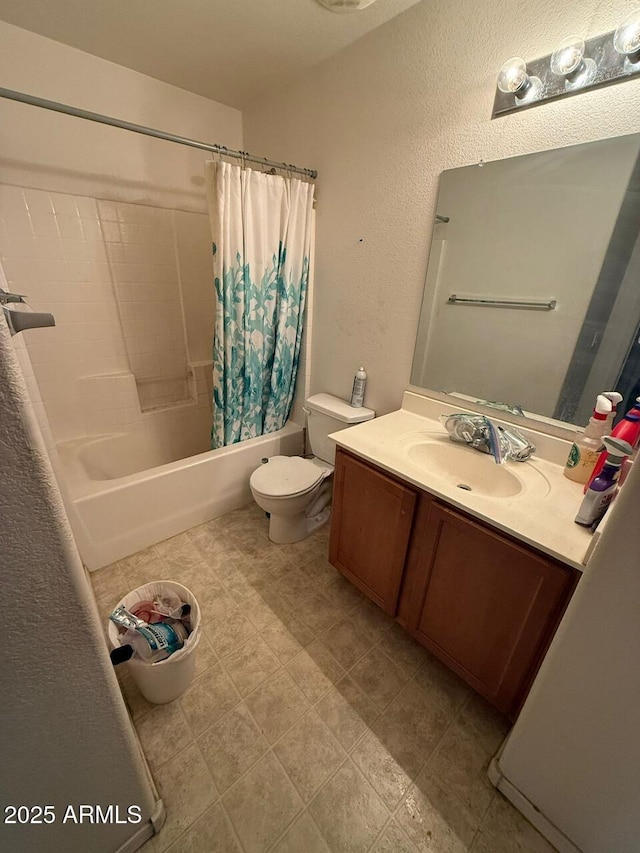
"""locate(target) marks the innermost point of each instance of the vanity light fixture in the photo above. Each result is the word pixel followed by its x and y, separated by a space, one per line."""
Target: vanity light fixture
pixel 574 66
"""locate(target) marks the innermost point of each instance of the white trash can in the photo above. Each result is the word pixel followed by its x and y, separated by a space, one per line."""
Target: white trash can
pixel 167 679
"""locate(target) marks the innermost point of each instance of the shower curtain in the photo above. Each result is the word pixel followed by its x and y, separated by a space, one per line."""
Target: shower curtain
pixel 261 233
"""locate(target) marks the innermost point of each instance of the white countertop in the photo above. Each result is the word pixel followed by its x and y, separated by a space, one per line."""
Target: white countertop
pixel 542 514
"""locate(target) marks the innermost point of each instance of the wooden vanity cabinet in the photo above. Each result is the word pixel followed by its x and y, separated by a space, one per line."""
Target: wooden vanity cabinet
pixel 371 523
pixel 483 603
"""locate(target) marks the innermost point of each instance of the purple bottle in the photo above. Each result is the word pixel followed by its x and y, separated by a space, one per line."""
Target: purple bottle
pixel 602 489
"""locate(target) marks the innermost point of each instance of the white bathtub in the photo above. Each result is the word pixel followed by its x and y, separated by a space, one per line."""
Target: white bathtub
pixel 117 505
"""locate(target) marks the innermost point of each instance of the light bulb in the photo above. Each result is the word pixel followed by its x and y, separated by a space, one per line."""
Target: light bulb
pixel 568 61
pixel 513 78
pixel 626 39
pixel 568 56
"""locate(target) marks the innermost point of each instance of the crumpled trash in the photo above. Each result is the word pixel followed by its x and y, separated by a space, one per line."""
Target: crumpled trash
pixel 479 432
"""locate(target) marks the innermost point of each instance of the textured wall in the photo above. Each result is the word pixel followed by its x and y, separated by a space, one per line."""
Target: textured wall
pixel 64 154
pixel 380 121
pixel 66 736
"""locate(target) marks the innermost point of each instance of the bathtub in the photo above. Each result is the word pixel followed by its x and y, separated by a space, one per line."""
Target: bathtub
pixel 121 498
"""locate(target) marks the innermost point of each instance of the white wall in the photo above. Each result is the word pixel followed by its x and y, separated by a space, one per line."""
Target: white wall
pixel 56 152
pixel 66 735
pixel 380 121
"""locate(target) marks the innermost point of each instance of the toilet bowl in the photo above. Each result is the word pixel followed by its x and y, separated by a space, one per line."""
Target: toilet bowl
pixel 296 491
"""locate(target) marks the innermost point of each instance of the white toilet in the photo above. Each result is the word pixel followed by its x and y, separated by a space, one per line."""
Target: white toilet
pixel 296 492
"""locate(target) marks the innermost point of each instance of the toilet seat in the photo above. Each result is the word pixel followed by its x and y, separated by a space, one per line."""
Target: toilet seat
pixel 285 476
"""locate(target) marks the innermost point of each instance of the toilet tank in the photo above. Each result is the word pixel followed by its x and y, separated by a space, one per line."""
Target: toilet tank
pixel 327 414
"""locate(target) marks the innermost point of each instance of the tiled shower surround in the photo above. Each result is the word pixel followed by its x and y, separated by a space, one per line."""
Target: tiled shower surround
pixel 314 723
pixel 131 288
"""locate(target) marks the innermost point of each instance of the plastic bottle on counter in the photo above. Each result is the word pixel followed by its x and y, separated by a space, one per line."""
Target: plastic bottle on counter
pixel 628 430
pixel 587 446
pixel 359 384
pixel 603 488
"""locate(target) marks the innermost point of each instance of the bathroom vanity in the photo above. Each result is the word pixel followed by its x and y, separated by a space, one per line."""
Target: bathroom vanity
pixel 476 561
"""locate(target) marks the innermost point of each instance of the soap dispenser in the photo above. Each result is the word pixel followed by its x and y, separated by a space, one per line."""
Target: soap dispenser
pixel 587 446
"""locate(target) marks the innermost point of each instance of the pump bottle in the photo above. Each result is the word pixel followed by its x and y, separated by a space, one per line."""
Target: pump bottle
pixel 585 449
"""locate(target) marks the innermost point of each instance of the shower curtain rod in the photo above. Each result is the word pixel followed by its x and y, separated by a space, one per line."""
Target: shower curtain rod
pixel 23 98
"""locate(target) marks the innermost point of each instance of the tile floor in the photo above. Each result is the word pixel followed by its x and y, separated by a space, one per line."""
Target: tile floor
pixel 314 722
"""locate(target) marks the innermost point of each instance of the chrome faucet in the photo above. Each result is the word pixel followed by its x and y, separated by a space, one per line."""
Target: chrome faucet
pixel 481 433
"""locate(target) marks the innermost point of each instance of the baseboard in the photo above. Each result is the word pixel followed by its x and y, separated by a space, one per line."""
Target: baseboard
pixel 527 809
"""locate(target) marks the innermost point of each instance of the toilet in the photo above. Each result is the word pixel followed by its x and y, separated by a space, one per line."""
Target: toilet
pixel 296 492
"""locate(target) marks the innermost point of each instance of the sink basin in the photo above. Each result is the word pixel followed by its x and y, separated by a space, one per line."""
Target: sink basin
pixel 468 469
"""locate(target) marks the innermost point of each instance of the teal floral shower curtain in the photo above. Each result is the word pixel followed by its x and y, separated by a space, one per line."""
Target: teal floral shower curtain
pixel 261 234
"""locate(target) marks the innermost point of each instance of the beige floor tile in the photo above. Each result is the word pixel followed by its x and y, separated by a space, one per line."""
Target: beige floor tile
pixel 380 679
pixel 317 613
pixel 211 833
pixel 434 819
pixel 307 549
pixel 109 584
pixel 135 701
pixel 345 643
pixel 315 671
pixel 303 837
pixel 368 618
pixel 263 607
pixel 188 791
pixel 393 840
pixel 262 804
pixel 462 763
pixel 153 569
pixel 211 542
pixel 294 587
pixel 505 830
pixel 205 655
pixel 147 556
pixel 389 759
pixel 320 569
pixel 276 705
pixel 179 552
pixel 484 723
pixel 283 643
pixel 348 811
pixel 230 632
pixel 309 753
pixel 441 684
pixel 231 746
pixel 209 697
pixel 243 582
pixel 403 649
pixel 347 711
pixel 343 594
pixel 215 602
pixel 163 732
pixel 251 664
pixel 419 716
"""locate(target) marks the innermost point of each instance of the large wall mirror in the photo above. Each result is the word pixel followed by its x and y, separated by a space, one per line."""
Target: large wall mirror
pixel 532 294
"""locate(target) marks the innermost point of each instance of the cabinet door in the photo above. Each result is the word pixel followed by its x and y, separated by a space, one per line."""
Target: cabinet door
pixel 372 516
pixel 486 606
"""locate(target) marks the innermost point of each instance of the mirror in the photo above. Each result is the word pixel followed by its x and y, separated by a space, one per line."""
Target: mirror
pixel 532 293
